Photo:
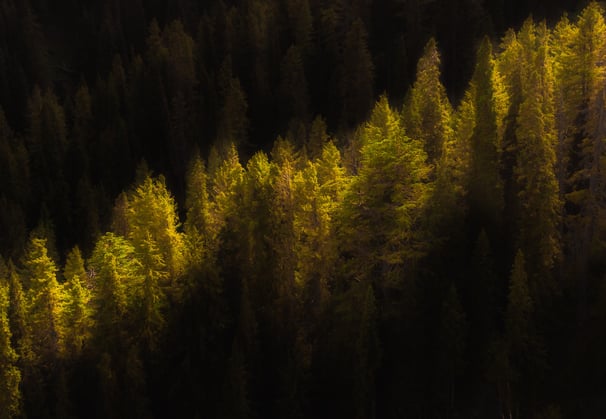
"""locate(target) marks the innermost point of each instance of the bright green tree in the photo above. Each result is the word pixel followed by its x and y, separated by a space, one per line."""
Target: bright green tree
pixel 17 316
pixel 226 184
pixel 383 206
pixel 152 215
pixel 152 298
pixel 43 301
pixel 77 321
pixel 116 273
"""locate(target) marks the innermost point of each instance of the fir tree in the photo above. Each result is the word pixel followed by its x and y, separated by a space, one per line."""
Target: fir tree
pixel 10 376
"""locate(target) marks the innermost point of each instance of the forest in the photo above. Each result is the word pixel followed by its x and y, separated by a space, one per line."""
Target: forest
pixel 302 208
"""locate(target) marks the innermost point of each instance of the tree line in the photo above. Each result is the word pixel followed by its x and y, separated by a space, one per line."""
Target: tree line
pixel 433 260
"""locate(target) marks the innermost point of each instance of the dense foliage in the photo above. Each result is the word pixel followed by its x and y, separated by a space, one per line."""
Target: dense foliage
pixel 400 256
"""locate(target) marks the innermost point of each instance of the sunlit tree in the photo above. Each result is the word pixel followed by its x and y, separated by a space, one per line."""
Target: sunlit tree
pixel 43 300
pixel 427 114
pixel 152 215
pixel 382 208
pixel 10 376
pixel 77 320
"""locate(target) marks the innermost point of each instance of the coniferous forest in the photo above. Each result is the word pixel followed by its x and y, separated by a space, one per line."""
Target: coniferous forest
pixel 302 209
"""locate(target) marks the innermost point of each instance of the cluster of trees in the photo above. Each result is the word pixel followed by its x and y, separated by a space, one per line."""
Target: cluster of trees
pixel 433 260
pixel 90 88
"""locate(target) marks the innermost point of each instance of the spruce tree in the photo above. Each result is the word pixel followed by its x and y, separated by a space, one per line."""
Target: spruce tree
pixel 486 186
pixel 539 222
pixel 77 320
pixel 427 114
pixel 10 376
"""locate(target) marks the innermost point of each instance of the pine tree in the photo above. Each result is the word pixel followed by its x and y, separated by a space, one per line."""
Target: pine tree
pixel 225 188
pixel 43 314
pixel 427 114
pixel 580 73
pixel 486 187
pixel 77 321
pixel 317 137
pixel 198 221
pixel 356 78
pixel 525 353
pixel 17 316
pixel 44 308
pixel 10 376
pixel 152 214
pixel 536 158
pixel 300 21
pixel 518 317
pixel 382 208
pixel 293 86
pixel 284 289
pixel 232 120
pixel 152 298
pixel 116 278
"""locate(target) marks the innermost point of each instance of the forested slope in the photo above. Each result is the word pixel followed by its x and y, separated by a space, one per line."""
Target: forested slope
pixel 406 255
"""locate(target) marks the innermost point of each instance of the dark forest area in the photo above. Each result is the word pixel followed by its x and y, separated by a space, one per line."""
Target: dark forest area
pixel 302 208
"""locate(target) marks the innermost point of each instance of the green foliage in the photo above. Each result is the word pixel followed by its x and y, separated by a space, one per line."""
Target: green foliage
pixel 10 376
pixel 116 275
pixel 152 216
pixel 427 115
pixel 536 157
pixel 334 277
pixel 43 300
pixel 383 206
pixel 77 321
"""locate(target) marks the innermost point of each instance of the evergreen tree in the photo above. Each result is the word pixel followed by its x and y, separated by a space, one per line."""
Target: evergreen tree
pixel 427 114
pixel 152 298
pixel 17 316
pixel 539 221
pixel 525 353
pixel 43 313
pixel 225 185
pixel 232 121
pixel 356 78
pixel 43 301
pixel 10 376
pixel 486 188
pixel 77 321
pixel 293 86
pixel 382 208
pixel 152 215
pixel 518 318
pixel 116 277
pixel 198 221
pixel 317 137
